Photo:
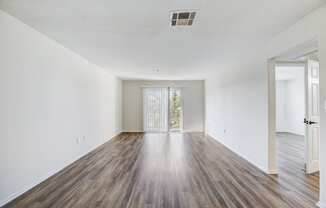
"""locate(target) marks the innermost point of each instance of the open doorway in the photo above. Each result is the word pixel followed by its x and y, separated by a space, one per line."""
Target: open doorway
pixel 290 114
pixel 297 109
pixel 294 109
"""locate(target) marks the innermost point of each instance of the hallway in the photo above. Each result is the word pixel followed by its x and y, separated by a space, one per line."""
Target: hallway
pixel 173 170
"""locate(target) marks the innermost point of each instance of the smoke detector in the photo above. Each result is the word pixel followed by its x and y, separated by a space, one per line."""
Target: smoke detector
pixel 182 18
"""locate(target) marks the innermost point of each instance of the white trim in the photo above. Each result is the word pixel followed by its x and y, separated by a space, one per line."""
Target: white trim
pixel 272 172
pixel 27 188
pixel 45 177
pixel 289 132
pixel 272 160
pixel 243 157
pixel 321 204
pixel 290 63
pixel 194 131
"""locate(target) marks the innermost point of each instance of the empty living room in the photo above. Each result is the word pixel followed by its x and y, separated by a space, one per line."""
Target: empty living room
pixel 163 104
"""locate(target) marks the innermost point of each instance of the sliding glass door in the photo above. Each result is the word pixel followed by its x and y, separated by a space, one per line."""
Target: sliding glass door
pixel 175 110
pixel 162 108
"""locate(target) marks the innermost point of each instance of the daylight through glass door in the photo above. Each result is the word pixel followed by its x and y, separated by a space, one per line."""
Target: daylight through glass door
pixel 162 109
pixel 175 110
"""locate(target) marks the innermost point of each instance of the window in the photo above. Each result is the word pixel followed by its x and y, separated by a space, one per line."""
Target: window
pixel 175 105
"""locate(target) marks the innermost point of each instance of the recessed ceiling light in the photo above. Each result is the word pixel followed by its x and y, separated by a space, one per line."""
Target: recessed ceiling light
pixel 182 18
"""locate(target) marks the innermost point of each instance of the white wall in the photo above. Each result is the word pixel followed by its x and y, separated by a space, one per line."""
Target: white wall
pixel 49 98
pixel 235 116
pixel 193 103
pixel 290 101
pixel 281 122
pixel 248 97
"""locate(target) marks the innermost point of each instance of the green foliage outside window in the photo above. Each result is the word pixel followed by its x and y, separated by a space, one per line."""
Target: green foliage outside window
pixel 175 110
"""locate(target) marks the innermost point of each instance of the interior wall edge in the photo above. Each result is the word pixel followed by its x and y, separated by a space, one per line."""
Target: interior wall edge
pixel 265 170
pixel 47 176
pixel 51 85
pixel 58 43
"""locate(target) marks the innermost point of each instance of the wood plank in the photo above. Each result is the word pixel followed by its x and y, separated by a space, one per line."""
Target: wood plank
pixel 175 170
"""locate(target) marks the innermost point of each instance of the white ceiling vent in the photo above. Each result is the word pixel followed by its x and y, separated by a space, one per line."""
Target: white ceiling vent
pixel 182 18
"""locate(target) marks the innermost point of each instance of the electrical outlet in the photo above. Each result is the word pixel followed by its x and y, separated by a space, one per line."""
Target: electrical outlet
pixel 224 131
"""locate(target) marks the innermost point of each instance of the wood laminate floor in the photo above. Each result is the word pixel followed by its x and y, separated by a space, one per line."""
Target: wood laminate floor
pixel 137 170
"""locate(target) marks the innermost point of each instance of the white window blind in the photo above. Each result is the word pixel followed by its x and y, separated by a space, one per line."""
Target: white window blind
pixel 155 104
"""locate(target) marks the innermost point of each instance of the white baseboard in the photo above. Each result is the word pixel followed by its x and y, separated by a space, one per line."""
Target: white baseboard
pixel 45 177
pixel 25 189
pixel 290 132
pixel 162 132
pixel 243 157
pixel 272 172
pixel 132 131
pixel 321 205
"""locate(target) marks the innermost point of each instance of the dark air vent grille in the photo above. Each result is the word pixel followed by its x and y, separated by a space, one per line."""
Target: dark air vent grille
pixel 182 18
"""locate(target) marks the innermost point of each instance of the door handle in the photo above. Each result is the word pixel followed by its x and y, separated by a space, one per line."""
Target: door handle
pixel 309 122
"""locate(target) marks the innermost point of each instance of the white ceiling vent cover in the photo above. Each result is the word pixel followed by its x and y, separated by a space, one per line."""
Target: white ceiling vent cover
pixel 182 18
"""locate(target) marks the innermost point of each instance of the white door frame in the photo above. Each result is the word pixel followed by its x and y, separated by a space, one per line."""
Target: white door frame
pixel 271 64
pixel 272 160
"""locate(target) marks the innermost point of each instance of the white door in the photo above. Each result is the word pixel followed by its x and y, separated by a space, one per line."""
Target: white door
pixel 312 116
pixel 155 109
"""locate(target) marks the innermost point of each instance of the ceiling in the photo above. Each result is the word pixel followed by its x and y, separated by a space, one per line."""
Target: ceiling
pixel 133 38
pixel 300 53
